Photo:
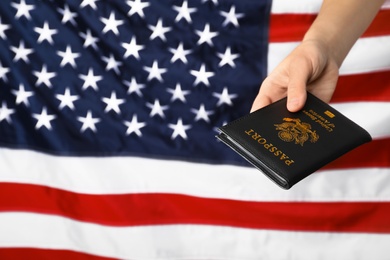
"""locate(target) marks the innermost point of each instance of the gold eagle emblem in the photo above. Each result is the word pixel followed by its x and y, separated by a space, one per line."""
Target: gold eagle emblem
pixel 293 129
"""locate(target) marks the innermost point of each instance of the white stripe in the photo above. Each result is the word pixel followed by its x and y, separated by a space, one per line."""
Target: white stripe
pixel 136 175
pixel 372 116
pixel 185 242
pixel 295 7
pixel 303 6
pixel 367 55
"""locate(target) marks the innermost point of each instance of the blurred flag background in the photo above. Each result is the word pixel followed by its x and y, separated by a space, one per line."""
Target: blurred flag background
pixel 108 117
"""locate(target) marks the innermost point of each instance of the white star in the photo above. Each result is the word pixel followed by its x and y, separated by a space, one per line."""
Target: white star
pixel 214 1
pixel 179 53
pixel 88 122
pixel 22 95
pixel 67 99
pixel 134 87
pixel 90 80
pixel 111 24
pixel 3 72
pixel 132 48
pixel 184 12
pixel 113 103
pixel 134 126
pixel 112 64
pixel 68 57
pixel 227 58
pixel 3 28
pixel 5 112
pixel 155 72
pixel 231 17
pixel 178 93
pixel 202 113
pixel 44 76
pixel 21 52
pixel 67 15
pixel 43 119
pixel 137 6
pixel 206 35
pixel 23 9
pixel 179 129
pixel 157 109
pixel 159 30
pixel 45 33
pixel 224 97
pixel 202 75
pixel 89 40
pixel 91 3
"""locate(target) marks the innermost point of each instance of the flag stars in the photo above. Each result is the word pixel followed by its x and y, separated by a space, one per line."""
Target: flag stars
pixel 68 57
pixel 44 119
pixel 206 35
pixel 213 1
pixel 132 49
pixel 90 80
pixel 231 17
pixel 89 40
pixel 134 126
pixel 5 112
pixel 111 24
pixel 3 72
pixel 202 76
pixel 159 30
pixel 22 95
pixel 67 15
pixel 23 9
pixel 134 86
pixel 155 72
pixel 179 53
pixel 156 109
pixel 44 76
pixel 113 103
pixel 202 113
pixel 184 12
pixel 45 33
pixel 178 93
pixel 112 63
pixel 227 58
pixel 3 28
pixel 67 99
pixel 21 52
pixel 179 129
pixel 137 7
pixel 89 122
pixel 91 3
pixel 224 97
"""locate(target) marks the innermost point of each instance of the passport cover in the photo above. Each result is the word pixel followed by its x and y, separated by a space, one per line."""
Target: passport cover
pixel 288 147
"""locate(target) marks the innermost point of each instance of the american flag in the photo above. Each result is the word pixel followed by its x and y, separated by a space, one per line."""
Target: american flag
pixel 108 117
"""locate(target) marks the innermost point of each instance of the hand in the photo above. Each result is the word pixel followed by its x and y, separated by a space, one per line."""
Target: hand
pixel 310 66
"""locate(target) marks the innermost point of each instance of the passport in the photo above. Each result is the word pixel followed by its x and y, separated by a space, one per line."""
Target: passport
pixel 289 146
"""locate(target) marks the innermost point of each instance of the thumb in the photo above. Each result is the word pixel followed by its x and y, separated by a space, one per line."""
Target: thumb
pixel 296 91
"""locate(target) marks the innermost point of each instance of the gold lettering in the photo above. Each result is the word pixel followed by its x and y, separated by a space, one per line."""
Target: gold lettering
pixel 289 162
pixel 284 157
pixel 268 146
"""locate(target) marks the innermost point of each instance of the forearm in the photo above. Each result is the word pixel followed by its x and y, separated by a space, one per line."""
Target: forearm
pixel 340 23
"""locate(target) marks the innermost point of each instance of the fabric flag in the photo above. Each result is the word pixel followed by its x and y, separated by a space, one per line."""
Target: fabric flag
pixel 108 117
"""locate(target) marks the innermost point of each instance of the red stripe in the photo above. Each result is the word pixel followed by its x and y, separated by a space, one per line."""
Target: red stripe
pixel 372 154
pixel 373 86
pixel 289 27
pixel 292 27
pixel 45 254
pixel 158 209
